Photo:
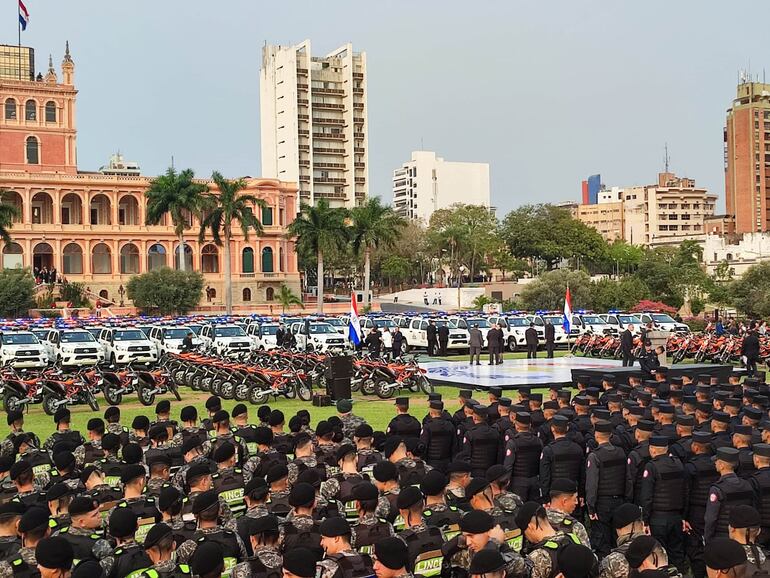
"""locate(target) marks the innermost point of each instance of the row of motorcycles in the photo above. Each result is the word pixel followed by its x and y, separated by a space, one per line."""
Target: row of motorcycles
pixel 602 345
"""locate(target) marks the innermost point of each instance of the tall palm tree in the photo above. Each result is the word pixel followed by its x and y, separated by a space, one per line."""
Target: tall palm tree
pixel 319 229
pixel 223 210
pixel 177 195
pixel 8 213
pixel 287 298
pixel 374 225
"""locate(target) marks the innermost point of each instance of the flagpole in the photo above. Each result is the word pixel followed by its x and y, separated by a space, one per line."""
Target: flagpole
pixel 18 23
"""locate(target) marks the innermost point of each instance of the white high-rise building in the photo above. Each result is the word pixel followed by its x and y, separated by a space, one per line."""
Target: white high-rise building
pixel 428 183
pixel 313 113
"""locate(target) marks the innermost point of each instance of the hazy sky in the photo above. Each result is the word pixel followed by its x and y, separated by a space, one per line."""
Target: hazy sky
pixel 547 92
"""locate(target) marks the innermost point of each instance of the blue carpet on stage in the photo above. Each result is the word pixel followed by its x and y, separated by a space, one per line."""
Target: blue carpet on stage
pixel 513 373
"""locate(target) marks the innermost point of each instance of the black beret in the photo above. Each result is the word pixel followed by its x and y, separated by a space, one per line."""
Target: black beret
pixel 163 406
pixel 497 472
pixel 191 443
pixel 724 553
pixel 220 416
pixel 132 472
pixel 141 422
pixel 82 505
pixel 157 432
pixel 188 413
pixel 392 553
pixel 112 411
pixel 486 561
pixel 458 467
pixel 525 514
pixel 58 490
pixel 433 483
pixel 264 435
pixel 156 534
pixel 110 442
pixel 640 548
pixel 563 486
pixel 626 514
pixel 62 414
pixel 12 509
pixel 132 453
pixel 33 519
pixel 276 418
pixel 204 501
pixel 224 452
pixel 391 445
pixel 257 487
pixel 300 562
pixel 385 471
pixel 208 558
pixel 263 413
pixel 408 497
pixel 741 517
pixel 276 472
pixel 334 526
pixel 169 496
pixel 365 491
pixel 436 404
pixel 576 561
pixel 480 410
pixel 19 468
pixel 14 415
pixel 123 522
pixel 523 417
pixel 239 409
pixel 476 486
pixel 198 470
pixel 213 403
pixel 88 569
pixel 477 522
pixel 54 553
pixel 364 431
pixel 86 473
pixel 345 450
pixel 301 494
pixel 63 460
pixel 6 463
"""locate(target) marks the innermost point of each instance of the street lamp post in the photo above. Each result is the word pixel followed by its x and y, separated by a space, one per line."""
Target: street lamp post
pixel 459 284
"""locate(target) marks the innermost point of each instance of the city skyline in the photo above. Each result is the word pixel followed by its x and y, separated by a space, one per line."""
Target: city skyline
pixel 545 94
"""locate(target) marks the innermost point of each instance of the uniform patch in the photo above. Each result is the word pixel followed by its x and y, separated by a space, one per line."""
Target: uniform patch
pixel 507 452
pixel 645 474
pixel 713 498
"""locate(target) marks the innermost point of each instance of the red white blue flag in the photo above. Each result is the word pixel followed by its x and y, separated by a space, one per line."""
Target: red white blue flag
pixel 23 15
pixel 354 325
pixel 566 322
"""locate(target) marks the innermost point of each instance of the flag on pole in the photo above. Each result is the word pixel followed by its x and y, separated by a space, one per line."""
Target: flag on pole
pixel 567 312
pixel 23 15
pixel 354 326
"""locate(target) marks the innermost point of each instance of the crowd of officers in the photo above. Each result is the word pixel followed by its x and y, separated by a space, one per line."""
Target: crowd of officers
pixel 657 478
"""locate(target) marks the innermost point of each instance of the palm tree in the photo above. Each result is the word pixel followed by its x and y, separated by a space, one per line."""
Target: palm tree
pixel 223 210
pixel 8 213
pixel 319 229
pixel 374 224
pixel 287 298
pixel 178 195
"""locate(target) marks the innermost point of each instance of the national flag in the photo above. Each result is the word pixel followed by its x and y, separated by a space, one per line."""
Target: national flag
pixel 354 325
pixel 567 313
pixel 23 15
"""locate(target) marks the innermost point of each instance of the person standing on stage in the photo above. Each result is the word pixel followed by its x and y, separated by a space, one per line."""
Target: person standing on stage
pixel 530 336
pixel 550 337
pixel 431 334
pixel 627 345
pixel 475 343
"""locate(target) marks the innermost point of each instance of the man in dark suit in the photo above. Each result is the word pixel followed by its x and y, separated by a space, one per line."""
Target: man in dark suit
pixel 750 350
pixel 530 336
pixel 627 345
pixel 432 337
pixel 550 337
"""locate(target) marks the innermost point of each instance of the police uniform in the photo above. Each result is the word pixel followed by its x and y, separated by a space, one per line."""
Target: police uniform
pixel 562 458
pixel 438 437
pixel 726 493
pixel 522 458
pixel 367 531
pixel 481 445
pixel 566 524
pixel 760 482
pixel 404 426
pixel 701 475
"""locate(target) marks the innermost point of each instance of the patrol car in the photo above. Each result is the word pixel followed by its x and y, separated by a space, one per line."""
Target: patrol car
pixel 75 347
pixel 416 334
pixel 514 330
pixel 663 322
pixel 467 323
pixel 169 338
pixel 319 337
pixel 128 344
pixel 22 349
pixel 559 335
pixel 591 323
pixel 619 321
pixel 225 339
pixel 263 336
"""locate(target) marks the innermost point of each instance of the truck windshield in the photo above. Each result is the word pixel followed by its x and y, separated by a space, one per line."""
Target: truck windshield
pixel 18 339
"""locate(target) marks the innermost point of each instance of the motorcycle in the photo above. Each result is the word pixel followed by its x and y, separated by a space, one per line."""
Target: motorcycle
pixel 58 392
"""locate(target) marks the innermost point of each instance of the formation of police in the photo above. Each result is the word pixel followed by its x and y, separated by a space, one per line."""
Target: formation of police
pixel 660 478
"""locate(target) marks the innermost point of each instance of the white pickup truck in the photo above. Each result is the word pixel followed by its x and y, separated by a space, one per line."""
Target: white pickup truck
pixel 22 349
pixel 169 339
pixel 75 347
pixel 467 323
pixel 225 339
pixel 127 345
pixel 416 334
pixel 663 322
pixel 320 337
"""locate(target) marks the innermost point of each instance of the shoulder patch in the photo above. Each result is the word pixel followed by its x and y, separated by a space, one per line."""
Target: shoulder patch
pixel 713 498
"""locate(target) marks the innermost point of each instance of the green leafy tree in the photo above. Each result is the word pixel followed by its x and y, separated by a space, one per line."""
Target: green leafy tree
pixel 623 294
pixel 319 229
pixel 166 291
pixel 548 290
pixel 411 244
pixel 480 301
pixel 374 225
pixel 719 293
pixel 395 268
pixel 17 290
pixel 287 298
pixel 227 209
pixel 751 293
pixel 74 293
pixel 8 213
pixel 179 196
pixel 502 260
pixel 658 272
pixel 622 257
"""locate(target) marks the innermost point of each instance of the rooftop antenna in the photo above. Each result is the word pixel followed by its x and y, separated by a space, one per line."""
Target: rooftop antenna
pixel 172 161
pixel 666 159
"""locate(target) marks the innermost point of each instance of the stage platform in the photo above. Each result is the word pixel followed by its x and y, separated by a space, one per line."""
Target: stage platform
pixel 515 373
pixel 542 372
pixel 691 369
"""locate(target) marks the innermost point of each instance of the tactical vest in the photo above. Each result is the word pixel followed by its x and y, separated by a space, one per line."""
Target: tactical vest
pixel 428 540
pixel 230 549
pixel 22 569
pixel 283 443
pixel 319 467
pixel 442 518
pixel 553 546
pixel 643 451
pixel 112 468
pixel 267 460
pixel 230 486
pixel 528 451
pixel 566 461
pixel 184 532
pixel 440 444
pixel 484 448
pixel 612 471
pixel 367 535
pixel 72 438
pixel 358 566
pixel 368 458
pixel 730 499
pixel 39 460
pixel 761 483
pixel 130 561
pixel 148 515
pixel 91 454
pixel 669 485
pixel 410 475
pixel 347 483
pixel 705 476
pixel 308 538
pixel 259 570
pixel 181 571
pixel 82 546
pixel 279 505
pixel 8 549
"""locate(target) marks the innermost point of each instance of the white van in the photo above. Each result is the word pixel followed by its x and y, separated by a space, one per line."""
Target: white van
pixel 22 349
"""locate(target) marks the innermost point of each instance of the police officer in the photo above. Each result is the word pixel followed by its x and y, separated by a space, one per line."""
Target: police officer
pixel 744 529
pixel 228 482
pixel 437 512
pixel 499 479
pixel 760 481
pixel 341 560
pixel 63 433
pixel 23 478
pixel 266 562
pixel 91 451
pixel 363 437
pixel 410 469
pixel 83 534
pixel 392 559
pixel 134 498
pixel 368 528
pixel 10 515
pixel 190 428
pixel 438 437
pixel 543 539
pixel 628 525
pixel 701 475
pixel 300 528
pixel 128 556
pixel 159 545
pixel 663 495
pixel 726 493
pixel 562 458
pixel 640 455
pixel 480 443
pixel 417 535
pixel 608 485
pixel 522 458
pixel 54 555
pixel 404 425
pixel 564 501
pixel 350 421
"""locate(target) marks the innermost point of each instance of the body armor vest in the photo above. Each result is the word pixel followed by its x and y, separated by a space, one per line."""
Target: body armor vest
pixel 761 483
pixel 82 546
pixel 419 543
pixel 484 448
pixel 259 570
pixel 230 548
pixel 358 566
pixel 567 460
pixel 734 496
pixel 230 486
pixel 612 471
pixel 130 561
pixel 307 538
pixel 669 485
pixel 527 452
pixel 367 535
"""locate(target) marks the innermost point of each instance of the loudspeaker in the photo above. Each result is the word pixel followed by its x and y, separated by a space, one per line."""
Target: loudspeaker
pixel 321 400
pixel 340 367
pixel 340 388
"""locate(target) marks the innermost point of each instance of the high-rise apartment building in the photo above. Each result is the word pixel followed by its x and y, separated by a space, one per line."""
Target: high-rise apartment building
pixel 428 183
pixel 17 62
pixel 313 113
pixel 747 158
